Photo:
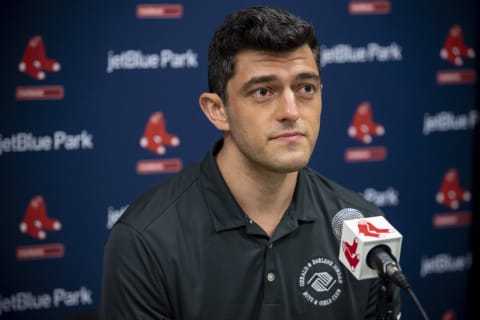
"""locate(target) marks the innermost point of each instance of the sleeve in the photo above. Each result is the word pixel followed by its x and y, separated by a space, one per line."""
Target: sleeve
pixel 132 283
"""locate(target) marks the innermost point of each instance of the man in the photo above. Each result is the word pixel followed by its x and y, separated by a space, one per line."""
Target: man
pixel 246 233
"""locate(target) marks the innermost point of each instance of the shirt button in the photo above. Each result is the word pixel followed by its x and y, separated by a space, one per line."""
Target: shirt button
pixel 270 245
pixel 271 277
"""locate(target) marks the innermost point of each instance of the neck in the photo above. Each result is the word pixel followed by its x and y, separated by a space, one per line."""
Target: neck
pixel 262 194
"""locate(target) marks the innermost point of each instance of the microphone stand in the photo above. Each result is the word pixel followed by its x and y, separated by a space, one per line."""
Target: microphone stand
pixel 385 303
pixel 390 274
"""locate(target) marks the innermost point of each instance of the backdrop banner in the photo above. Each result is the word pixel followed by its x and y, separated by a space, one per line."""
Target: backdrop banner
pixel 99 102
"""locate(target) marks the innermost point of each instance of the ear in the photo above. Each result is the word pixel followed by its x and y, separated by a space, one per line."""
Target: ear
pixel 214 109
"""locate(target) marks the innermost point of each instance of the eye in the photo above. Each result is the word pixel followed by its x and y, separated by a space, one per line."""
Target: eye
pixel 307 89
pixel 261 92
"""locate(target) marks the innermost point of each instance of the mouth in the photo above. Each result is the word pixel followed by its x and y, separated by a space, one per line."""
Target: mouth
pixel 289 136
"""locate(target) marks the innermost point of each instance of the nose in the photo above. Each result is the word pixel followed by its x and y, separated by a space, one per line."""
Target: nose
pixel 287 109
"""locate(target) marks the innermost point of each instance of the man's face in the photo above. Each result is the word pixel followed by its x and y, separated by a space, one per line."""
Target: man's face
pixel 274 107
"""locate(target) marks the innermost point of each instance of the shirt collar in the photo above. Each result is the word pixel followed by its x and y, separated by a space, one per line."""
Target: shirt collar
pixel 226 212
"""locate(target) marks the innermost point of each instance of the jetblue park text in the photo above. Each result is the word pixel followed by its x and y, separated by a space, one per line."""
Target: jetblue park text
pixel 136 60
pixel 59 140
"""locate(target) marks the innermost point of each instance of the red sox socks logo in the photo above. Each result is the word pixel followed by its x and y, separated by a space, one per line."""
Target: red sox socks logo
pixel 35 221
pixel 450 193
pixel 368 229
pixel 454 48
pixel 155 137
pixel 363 127
pixel 34 62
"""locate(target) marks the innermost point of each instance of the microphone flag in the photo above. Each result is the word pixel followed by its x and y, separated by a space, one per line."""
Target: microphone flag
pixel 360 236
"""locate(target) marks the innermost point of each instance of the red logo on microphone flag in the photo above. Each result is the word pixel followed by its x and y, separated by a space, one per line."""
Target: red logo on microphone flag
pixel 35 221
pixel 369 230
pixel 351 254
pixel 35 62
pixel 359 236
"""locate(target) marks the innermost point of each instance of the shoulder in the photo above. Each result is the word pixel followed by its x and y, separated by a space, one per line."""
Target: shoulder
pixel 335 196
pixel 158 200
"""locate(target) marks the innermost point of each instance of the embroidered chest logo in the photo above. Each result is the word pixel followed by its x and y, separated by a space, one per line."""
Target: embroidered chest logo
pixel 320 282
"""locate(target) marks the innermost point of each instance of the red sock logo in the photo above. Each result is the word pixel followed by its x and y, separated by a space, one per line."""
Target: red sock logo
pixel 35 220
pixel 454 48
pixel 155 137
pixel 368 229
pixel 34 62
pixel 450 193
pixel 363 127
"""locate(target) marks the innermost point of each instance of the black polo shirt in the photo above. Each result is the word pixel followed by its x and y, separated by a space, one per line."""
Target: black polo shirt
pixel 185 250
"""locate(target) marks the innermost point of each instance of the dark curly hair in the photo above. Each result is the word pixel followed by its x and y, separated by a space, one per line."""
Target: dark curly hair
pixel 258 28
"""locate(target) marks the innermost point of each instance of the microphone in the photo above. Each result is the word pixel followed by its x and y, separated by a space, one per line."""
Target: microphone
pixel 369 247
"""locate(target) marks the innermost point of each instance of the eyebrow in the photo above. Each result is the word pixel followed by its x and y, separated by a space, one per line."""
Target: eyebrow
pixel 308 76
pixel 269 78
pixel 256 80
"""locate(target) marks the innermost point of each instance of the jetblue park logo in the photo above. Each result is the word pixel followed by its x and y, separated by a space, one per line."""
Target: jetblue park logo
pixel 372 52
pixel 448 121
pixel 57 141
pixel 445 263
pixel 382 198
pixel 137 60
pixel 24 301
